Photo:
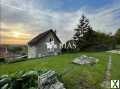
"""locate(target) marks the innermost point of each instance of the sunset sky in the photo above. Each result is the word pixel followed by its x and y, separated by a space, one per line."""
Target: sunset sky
pixel 21 20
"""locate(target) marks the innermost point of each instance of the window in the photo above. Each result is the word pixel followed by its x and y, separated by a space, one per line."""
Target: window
pixel 51 39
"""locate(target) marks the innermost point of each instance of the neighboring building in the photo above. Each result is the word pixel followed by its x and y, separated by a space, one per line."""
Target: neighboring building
pixel 3 52
pixel 45 44
pixel 12 53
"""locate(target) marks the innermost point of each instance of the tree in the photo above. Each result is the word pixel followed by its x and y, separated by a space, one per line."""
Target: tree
pixel 15 49
pixel 117 36
pixel 84 35
pixel 82 28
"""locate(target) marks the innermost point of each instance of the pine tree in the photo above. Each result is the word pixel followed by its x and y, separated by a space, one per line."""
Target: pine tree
pixel 84 35
pixel 82 28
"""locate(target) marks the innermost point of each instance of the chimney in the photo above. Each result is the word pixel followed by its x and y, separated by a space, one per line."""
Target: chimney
pixel 55 31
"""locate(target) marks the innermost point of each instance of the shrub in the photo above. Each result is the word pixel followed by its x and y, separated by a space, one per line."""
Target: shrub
pixel 2 59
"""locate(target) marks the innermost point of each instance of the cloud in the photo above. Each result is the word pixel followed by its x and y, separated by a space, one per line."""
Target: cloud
pixel 29 16
pixel 106 20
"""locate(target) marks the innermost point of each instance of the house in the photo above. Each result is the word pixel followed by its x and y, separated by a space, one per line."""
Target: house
pixel 45 44
pixel 3 51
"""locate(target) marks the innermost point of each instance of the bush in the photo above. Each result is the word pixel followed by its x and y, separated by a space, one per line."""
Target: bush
pixel 2 59
pixel 20 80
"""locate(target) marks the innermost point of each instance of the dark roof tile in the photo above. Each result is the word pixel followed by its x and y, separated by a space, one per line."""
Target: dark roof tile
pixel 36 39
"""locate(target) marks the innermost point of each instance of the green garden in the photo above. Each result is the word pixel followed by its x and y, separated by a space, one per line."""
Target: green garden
pixel 72 74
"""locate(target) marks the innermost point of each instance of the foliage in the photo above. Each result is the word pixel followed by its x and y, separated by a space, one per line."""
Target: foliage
pixel 86 38
pixel 21 79
pixel 90 38
pixel 84 34
pixel 2 59
pixel 117 46
pixel 117 36
pixel 103 38
pixel 83 27
pixel 17 49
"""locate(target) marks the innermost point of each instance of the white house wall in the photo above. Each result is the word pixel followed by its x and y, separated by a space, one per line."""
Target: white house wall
pixel 42 47
pixel 31 51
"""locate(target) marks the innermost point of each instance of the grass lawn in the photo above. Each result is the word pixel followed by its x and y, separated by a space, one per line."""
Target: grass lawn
pixel 94 75
pixel 118 46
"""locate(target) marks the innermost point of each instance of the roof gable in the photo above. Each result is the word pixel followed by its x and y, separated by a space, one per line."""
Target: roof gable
pixel 36 39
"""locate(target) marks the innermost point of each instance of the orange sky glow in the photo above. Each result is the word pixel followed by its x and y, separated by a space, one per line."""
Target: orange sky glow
pixel 15 34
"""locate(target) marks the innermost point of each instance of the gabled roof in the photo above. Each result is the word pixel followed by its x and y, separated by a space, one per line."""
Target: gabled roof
pixel 36 39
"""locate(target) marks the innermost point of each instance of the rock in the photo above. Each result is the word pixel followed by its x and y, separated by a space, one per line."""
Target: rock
pixel 49 80
pixel 114 51
pixel 57 85
pixel 85 60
